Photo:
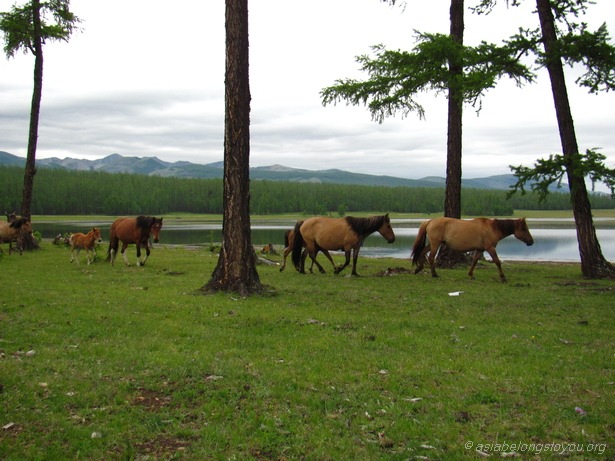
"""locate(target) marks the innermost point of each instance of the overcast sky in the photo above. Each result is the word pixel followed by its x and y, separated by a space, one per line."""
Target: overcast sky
pixel 146 78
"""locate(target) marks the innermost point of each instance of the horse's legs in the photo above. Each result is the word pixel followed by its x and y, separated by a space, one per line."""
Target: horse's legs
pixel 432 258
pixel 355 256
pixel 341 268
pixel 477 255
pixel 146 255
pixel 72 253
pixel 326 253
pixel 124 246
pixel 139 262
pixel 421 260
pixel 497 262
pixel 287 251
pixel 303 256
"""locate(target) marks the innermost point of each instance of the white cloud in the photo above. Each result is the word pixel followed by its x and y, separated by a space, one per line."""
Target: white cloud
pixel 146 78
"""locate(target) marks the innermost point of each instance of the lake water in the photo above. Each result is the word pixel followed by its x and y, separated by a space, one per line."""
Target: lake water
pixel 554 240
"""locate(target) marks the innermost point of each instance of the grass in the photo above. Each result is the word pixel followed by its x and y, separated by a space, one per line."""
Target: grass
pixel 100 362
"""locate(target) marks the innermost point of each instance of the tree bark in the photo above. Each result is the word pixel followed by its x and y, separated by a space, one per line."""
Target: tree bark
pixel 593 263
pixel 454 145
pixel 452 200
pixel 28 242
pixel 236 268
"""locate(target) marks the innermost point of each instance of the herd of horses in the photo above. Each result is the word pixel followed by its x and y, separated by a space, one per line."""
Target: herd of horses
pixel 311 236
pixel 347 234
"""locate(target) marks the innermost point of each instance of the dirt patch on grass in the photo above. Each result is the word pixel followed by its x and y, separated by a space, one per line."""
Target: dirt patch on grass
pixel 152 400
pixel 392 271
pixel 164 447
pixel 592 286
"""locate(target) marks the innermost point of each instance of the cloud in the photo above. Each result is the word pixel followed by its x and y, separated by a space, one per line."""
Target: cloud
pixel 145 79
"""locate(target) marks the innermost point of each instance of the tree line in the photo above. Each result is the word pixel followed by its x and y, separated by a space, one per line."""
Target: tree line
pixel 87 193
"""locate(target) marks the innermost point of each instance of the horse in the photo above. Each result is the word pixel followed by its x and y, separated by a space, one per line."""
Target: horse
pixel 289 241
pixel 87 241
pixel 330 234
pixel 478 235
pixel 133 230
pixel 10 231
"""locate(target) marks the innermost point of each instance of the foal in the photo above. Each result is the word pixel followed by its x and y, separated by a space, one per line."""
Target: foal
pixel 87 241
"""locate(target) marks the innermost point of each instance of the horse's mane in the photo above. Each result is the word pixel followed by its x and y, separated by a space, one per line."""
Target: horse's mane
pixel 17 223
pixel 366 226
pixel 145 223
pixel 505 226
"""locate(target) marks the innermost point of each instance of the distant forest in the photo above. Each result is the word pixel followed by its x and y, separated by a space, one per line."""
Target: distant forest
pixel 85 193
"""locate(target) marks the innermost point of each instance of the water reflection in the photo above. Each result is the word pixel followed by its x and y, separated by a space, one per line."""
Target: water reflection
pixel 551 244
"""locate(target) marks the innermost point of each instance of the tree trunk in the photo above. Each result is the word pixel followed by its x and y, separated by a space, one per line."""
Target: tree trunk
pixel 593 263
pixel 452 194
pixel 452 200
pixel 28 242
pixel 236 268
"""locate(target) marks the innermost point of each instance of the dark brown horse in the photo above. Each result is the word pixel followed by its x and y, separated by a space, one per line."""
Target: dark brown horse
pixel 335 234
pixel 87 242
pixel 289 241
pixel 133 230
pixel 478 235
pixel 12 231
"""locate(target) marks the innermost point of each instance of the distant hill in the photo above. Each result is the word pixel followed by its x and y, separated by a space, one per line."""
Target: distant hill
pixel 154 166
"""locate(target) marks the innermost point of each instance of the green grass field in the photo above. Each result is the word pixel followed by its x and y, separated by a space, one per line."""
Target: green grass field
pixel 116 363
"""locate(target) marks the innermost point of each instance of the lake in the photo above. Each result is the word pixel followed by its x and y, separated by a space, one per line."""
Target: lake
pixel 555 239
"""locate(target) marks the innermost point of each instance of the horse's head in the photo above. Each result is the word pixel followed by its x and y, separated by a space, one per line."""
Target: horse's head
pixel 10 217
pixel 522 232
pixel 96 233
pixel 23 224
pixel 155 228
pixel 386 230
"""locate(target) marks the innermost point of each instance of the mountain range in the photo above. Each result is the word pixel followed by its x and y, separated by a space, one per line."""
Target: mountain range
pixel 153 166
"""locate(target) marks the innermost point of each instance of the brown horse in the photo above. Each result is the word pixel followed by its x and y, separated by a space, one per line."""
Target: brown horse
pixel 87 241
pixel 11 231
pixel 289 241
pixel 331 234
pixel 478 235
pixel 133 230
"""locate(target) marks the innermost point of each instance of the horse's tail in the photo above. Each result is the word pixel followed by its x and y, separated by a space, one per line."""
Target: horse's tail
pixel 114 243
pixel 419 243
pixel 297 246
